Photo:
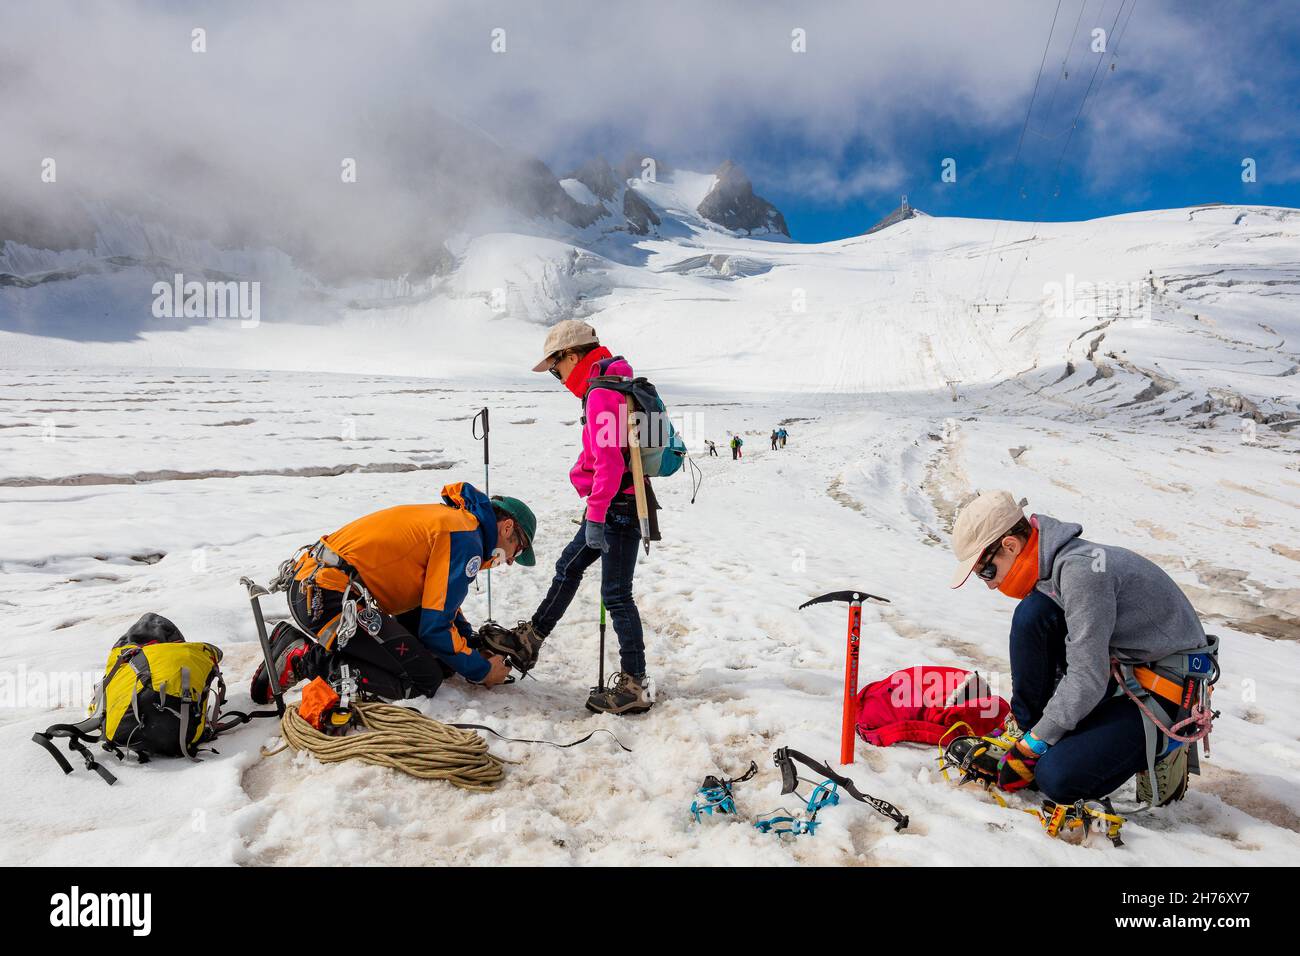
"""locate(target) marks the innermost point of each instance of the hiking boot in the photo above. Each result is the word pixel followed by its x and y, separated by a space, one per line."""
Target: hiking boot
pixel 1171 775
pixel 519 645
pixel 288 649
pixel 624 695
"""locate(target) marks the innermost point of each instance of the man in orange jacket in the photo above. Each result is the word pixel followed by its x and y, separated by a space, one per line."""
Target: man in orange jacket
pixel 405 570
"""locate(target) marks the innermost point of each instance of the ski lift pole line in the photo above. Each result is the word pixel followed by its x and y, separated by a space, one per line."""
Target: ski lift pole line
pixel 487 479
pixel 1078 116
pixel 1065 60
pixel 1020 142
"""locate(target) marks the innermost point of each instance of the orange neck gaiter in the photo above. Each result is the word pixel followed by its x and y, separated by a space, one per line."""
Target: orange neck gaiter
pixel 1022 577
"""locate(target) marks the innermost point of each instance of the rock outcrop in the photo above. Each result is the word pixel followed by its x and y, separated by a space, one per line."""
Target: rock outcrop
pixel 640 217
pixel 902 213
pixel 598 176
pixel 732 204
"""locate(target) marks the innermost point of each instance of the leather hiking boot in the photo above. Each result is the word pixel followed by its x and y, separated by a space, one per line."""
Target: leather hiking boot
pixel 518 645
pixel 624 695
pixel 1171 775
pixel 288 647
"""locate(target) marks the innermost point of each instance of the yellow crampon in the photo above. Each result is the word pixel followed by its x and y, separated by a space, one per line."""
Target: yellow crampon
pixel 946 761
pixel 1057 819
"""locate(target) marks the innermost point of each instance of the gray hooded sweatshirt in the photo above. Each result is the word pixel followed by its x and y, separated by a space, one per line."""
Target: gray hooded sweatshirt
pixel 1116 604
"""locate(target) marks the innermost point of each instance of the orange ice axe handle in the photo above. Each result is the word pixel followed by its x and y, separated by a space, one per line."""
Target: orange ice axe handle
pixel 848 719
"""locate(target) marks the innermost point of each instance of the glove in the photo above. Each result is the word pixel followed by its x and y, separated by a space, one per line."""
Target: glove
pixel 596 536
pixel 1017 766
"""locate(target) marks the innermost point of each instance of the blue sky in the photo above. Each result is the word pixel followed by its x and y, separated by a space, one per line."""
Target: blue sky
pixel 1195 89
pixel 986 188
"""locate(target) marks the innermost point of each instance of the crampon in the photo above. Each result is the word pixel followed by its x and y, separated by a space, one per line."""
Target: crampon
pixel 976 760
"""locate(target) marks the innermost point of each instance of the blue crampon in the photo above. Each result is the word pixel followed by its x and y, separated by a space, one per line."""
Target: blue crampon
pixel 825 794
pixel 716 794
pixel 717 799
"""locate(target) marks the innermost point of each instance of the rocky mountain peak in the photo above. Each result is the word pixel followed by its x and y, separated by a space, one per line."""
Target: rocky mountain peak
pixel 732 204
pixel 904 212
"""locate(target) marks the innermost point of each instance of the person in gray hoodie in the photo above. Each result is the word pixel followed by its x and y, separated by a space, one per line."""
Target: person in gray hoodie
pixel 1080 605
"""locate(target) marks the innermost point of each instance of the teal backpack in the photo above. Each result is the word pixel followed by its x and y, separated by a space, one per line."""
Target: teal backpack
pixel 662 450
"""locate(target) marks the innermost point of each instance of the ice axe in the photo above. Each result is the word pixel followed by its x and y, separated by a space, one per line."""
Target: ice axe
pixel 854 600
pixel 255 593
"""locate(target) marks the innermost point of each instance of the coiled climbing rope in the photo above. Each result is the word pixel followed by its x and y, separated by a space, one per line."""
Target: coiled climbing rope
pixel 402 739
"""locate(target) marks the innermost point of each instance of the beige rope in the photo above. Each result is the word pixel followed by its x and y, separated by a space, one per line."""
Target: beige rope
pixel 404 740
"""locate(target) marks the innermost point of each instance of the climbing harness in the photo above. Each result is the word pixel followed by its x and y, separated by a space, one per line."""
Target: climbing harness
pixel 1186 681
pixel 361 611
pixel 715 796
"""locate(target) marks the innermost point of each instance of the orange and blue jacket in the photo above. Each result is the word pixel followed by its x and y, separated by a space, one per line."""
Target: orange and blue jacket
pixel 421 556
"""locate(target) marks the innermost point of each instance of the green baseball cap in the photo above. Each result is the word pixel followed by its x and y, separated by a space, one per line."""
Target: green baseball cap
pixel 527 522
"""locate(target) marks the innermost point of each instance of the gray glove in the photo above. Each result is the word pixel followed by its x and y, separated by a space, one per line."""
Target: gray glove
pixel 596 536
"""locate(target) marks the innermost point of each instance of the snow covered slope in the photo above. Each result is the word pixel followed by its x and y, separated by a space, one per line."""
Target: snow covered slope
pixel 1185 305
pixel 1137 374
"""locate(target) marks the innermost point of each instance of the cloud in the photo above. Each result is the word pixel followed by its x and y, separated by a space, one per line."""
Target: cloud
pixel 245 141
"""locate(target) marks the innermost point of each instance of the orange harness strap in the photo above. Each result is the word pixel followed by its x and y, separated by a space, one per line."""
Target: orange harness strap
pixel 1160 686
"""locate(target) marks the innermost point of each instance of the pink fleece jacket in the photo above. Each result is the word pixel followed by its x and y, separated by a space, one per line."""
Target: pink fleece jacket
pixel 599 469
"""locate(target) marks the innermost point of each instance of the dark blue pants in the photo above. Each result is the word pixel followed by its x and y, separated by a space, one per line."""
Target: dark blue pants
pixel 1106 748
pixel 617 565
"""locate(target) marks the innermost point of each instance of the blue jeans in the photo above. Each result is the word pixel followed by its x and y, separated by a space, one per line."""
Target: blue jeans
pixel 617 565
pixel 1106 748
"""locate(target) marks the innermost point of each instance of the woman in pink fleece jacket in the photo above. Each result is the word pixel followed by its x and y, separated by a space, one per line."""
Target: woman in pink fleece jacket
pixel 609 532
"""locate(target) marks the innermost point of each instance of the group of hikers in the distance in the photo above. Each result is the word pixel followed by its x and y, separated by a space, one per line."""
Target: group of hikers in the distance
pixel 778 438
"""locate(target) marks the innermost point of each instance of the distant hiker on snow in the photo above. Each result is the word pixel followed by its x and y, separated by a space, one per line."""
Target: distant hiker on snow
pixel 736 442
pixel 610 532
pixel 1074 732
pixel 417 562
pixel 782 434
pixel 713 448
pixel 775 438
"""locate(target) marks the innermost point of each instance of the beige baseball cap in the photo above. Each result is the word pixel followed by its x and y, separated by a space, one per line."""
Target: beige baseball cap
pixel 568 334
pixel 980 522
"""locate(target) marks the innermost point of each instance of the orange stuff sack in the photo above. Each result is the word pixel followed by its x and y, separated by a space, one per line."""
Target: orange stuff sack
pixel 318 699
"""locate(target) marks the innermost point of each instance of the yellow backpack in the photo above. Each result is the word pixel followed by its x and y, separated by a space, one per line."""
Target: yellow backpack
pixel 161 696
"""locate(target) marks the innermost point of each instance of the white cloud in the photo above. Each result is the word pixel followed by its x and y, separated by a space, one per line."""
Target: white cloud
pixel 261 121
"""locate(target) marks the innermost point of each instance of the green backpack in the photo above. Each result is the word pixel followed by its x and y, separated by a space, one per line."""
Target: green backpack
pixel 161 696
pixel 662 448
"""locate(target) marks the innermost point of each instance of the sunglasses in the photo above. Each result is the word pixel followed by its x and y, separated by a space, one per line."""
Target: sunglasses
pixel 520 539
pixel 555 361
pixel 987 570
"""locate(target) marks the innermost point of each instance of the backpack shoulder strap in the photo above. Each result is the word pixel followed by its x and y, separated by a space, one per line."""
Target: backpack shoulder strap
pixel 78 736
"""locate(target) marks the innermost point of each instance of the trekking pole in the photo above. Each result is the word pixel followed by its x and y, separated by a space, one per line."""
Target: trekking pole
pixel 487 480
pixel 848 717
pixel 601 682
